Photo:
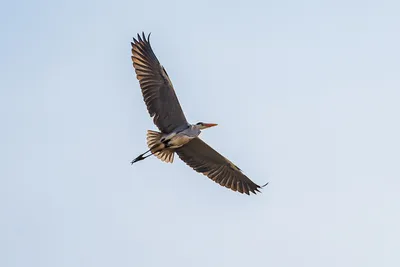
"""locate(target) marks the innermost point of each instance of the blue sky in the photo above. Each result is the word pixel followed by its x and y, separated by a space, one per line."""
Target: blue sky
pixel 306 95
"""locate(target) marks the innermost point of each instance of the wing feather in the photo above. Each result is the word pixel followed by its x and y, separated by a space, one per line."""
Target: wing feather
pixel 157 89
pixel 204 159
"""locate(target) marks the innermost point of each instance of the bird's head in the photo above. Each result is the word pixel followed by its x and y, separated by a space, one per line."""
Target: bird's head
pixel 202 125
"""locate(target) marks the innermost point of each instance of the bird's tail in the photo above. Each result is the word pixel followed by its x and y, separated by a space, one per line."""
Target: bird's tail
pixel 158 148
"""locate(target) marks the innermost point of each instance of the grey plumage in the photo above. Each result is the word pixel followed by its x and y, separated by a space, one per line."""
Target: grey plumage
pixel 177 135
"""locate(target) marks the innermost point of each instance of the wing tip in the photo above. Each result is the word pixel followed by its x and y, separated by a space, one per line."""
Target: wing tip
pixel 257 189
pixel 264 185
pixel 141 38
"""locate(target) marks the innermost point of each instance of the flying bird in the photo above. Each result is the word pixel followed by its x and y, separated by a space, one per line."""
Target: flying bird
pixel 176 134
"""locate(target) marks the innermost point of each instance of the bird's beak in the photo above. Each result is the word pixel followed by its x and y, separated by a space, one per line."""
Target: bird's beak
pixel 208 125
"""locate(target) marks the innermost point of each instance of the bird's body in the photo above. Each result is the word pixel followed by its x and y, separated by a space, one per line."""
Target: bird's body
pixel 181 137
pixel 177 135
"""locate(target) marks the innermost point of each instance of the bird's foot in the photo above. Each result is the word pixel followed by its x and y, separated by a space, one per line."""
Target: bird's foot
pixel 140 157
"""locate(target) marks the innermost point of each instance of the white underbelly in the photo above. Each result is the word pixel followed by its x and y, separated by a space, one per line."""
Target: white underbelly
pixel 179 140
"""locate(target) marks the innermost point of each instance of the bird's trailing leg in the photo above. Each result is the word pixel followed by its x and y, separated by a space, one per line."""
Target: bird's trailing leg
pixel 142 156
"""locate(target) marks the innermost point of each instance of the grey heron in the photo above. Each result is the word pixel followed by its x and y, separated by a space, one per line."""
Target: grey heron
pixel 176 134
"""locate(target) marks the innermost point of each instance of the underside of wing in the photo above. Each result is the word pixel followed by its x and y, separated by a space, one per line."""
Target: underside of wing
pixel 204 159
pixel 158 92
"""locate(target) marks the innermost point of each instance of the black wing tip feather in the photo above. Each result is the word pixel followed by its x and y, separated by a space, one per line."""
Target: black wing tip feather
pixel 255 190
pixel 141 39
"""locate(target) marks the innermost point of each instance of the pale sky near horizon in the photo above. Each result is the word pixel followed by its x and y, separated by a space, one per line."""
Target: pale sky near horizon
pixel 306 95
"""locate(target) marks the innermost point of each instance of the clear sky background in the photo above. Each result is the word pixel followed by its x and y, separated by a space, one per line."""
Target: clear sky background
pixel 306 95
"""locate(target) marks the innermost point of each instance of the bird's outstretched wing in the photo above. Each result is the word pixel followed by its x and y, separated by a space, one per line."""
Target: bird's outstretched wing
pixel 204 159
pixel 157 89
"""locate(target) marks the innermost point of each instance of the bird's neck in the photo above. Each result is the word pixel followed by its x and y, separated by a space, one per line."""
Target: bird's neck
pixel 195 128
